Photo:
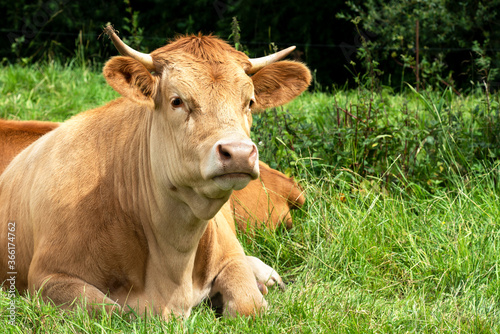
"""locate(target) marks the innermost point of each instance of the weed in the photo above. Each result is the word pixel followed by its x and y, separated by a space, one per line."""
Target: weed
pixel 132 27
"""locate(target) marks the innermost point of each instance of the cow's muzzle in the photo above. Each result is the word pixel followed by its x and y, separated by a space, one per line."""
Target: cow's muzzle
pixel 237 157
pixel 233 163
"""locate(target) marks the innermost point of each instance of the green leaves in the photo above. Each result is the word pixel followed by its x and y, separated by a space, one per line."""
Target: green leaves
pixel 446 30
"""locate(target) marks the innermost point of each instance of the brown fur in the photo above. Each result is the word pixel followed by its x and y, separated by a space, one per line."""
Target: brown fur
pixel 270 90
pixel 126 204
pixel 267 200
pixel 17 135
pixel 206 48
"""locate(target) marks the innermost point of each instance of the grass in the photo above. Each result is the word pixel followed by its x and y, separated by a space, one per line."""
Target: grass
pixel 51 92
pixel 363 257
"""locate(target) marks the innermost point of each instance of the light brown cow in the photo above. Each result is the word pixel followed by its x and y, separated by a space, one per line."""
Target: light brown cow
pixel 122 204
pixel 267 200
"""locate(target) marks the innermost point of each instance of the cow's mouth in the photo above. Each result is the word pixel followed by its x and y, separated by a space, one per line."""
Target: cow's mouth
pixel 232 181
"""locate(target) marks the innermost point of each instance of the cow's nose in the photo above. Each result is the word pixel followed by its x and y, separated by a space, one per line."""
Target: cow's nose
pixel 237 156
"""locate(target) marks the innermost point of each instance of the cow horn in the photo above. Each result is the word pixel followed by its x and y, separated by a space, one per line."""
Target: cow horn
pixel 258 63
pixel 126 50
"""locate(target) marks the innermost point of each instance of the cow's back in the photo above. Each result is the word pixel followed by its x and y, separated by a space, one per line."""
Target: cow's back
pixel 17 135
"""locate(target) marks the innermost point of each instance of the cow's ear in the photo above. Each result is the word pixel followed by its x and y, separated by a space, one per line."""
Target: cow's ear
pixel 279 83
pixel 131 79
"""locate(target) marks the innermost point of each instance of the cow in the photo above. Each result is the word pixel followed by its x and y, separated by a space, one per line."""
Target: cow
pixel 126 205
pixel 266 200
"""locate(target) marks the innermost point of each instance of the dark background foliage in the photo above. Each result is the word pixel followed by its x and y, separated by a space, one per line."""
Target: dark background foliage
pixel 324 32
pixel 51 27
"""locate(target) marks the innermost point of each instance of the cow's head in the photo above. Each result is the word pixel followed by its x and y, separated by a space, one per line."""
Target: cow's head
pixel 201 97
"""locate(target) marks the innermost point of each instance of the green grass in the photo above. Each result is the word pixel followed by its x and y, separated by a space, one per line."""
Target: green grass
pixel 51 92
pixel 364 256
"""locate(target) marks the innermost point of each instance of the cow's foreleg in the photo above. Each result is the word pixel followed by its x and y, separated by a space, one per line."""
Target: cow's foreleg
pixel 240 294
pixel 66 291
pixel 264 274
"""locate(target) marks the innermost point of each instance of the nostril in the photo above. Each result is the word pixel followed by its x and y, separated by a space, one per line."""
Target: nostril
pixel 223 152
pixel 252 157
pixel 254 151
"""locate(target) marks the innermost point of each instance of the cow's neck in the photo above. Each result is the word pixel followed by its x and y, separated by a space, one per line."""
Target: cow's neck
pixel 171 226
pixel 171 229
pixel 182 213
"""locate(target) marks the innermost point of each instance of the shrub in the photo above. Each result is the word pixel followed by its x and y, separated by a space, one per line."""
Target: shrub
pixel 448 31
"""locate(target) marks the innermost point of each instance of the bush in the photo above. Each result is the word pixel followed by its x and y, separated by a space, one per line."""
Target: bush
pixel 448 31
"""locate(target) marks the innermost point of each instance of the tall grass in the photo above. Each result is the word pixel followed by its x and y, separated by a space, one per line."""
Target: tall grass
pixel 421 137
pixel 367 253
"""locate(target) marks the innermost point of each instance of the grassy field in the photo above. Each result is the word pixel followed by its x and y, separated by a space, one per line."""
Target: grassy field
pixel 387 250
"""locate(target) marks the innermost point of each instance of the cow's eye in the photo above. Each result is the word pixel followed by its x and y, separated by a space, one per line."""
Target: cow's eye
pixel 176 102
pixel 250 104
